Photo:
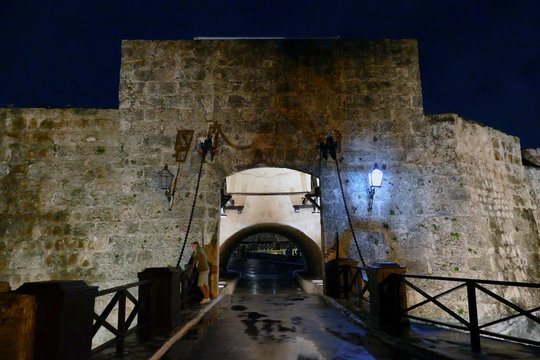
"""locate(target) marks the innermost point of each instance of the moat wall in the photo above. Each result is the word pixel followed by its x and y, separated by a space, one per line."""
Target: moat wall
pixel 80 197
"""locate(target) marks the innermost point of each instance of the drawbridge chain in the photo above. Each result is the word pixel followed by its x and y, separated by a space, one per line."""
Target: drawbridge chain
pixel 330 147
pixel 204 147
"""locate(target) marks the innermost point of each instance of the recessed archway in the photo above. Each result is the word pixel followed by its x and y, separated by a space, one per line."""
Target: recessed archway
pixel 311 251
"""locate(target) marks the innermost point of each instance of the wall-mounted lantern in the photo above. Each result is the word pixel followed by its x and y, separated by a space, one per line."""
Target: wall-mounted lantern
pixel 375 181
pixel 165 180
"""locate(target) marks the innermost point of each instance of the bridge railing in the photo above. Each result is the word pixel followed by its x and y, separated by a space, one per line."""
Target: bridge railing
pixel 123 325
pixel 64 319
pixel 473 288
pixel 354 283
pixel 388 290
pixel 162 293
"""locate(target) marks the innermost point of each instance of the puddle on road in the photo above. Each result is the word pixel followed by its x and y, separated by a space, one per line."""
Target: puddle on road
pixel 251 328
pixel 238 308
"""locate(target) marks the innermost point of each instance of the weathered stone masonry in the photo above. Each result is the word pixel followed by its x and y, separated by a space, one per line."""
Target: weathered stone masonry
pixel 79 187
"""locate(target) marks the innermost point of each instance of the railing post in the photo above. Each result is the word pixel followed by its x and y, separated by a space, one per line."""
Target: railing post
pixel 16 324
pixel 164 302
pixel 388 299
pixel 64 313
pixel 473 316
pixel 121 323
pixel 345 272
pixel 337 277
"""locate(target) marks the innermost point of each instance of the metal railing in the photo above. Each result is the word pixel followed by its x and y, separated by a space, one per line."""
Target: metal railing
pixel 350 286
pixel 472 325
pixel 122 329
pixel 188 282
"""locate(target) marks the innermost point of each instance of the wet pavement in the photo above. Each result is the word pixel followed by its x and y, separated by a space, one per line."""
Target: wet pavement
pixel 269 317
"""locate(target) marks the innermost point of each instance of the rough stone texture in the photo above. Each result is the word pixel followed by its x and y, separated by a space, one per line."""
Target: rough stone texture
pixel 456 199
pixel 532 156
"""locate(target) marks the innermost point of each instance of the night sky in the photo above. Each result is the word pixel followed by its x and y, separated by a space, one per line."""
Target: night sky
pixel 479 59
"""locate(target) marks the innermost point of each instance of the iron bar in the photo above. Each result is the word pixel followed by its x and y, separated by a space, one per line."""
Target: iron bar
pixel 121 322
pixel 435 297
pixel 269 193
pixel 420 291
pixel 509 304
pixel 487 282
pixel 122 287
pixel 511 338
pixel 435 322
pixel 508 318
pixel 473 316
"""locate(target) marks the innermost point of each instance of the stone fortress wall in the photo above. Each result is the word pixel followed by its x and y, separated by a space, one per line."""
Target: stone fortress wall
pixel 80 197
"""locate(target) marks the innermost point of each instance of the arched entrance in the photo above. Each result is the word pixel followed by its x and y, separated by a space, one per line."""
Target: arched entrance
pixel 272 200
pixel 310 250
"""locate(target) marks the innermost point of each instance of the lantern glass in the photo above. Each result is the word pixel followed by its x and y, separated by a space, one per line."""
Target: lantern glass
pixel 165 178
pixel 375 177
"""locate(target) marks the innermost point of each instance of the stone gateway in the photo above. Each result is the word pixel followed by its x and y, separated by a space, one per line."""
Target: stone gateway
pixel 79 195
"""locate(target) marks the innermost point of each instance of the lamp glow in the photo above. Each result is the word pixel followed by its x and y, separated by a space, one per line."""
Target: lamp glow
pixel 375 177
pixel 375 181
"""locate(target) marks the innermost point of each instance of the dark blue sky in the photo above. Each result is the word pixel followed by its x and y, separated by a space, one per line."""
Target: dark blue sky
pixel 478 58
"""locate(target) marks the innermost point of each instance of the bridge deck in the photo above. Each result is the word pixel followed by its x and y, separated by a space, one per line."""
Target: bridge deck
pixel 270 318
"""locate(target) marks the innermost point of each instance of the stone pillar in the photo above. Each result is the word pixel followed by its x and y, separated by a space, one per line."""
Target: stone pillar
pixel 17 318
pixel 389 299
pixel 64 312
pixel 163 307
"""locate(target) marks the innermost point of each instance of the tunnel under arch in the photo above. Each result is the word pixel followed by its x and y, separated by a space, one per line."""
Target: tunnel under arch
pixel 310 250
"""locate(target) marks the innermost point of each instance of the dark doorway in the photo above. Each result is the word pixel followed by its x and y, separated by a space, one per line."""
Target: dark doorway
pixel 266 263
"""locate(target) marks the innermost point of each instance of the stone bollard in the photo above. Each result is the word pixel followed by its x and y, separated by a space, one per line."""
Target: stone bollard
pixel 388 300
pixel 163 308
pixel 64 314
pixel 17 317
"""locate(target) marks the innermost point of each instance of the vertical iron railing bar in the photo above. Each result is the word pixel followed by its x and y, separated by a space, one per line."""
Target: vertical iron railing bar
pixel 420 291
pixel 132 314
pixel 346 281
pixel 509 304
pixel 350 278
pixel 435 297
pixel 436 322
pixel 355 282
pixel 105 313
pixel 508 318
pixel 508 337
pixel 473 316
pixel 121 322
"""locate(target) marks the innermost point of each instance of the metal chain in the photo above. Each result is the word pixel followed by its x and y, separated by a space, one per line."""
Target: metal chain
pixel 348 215
pixel 192 210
